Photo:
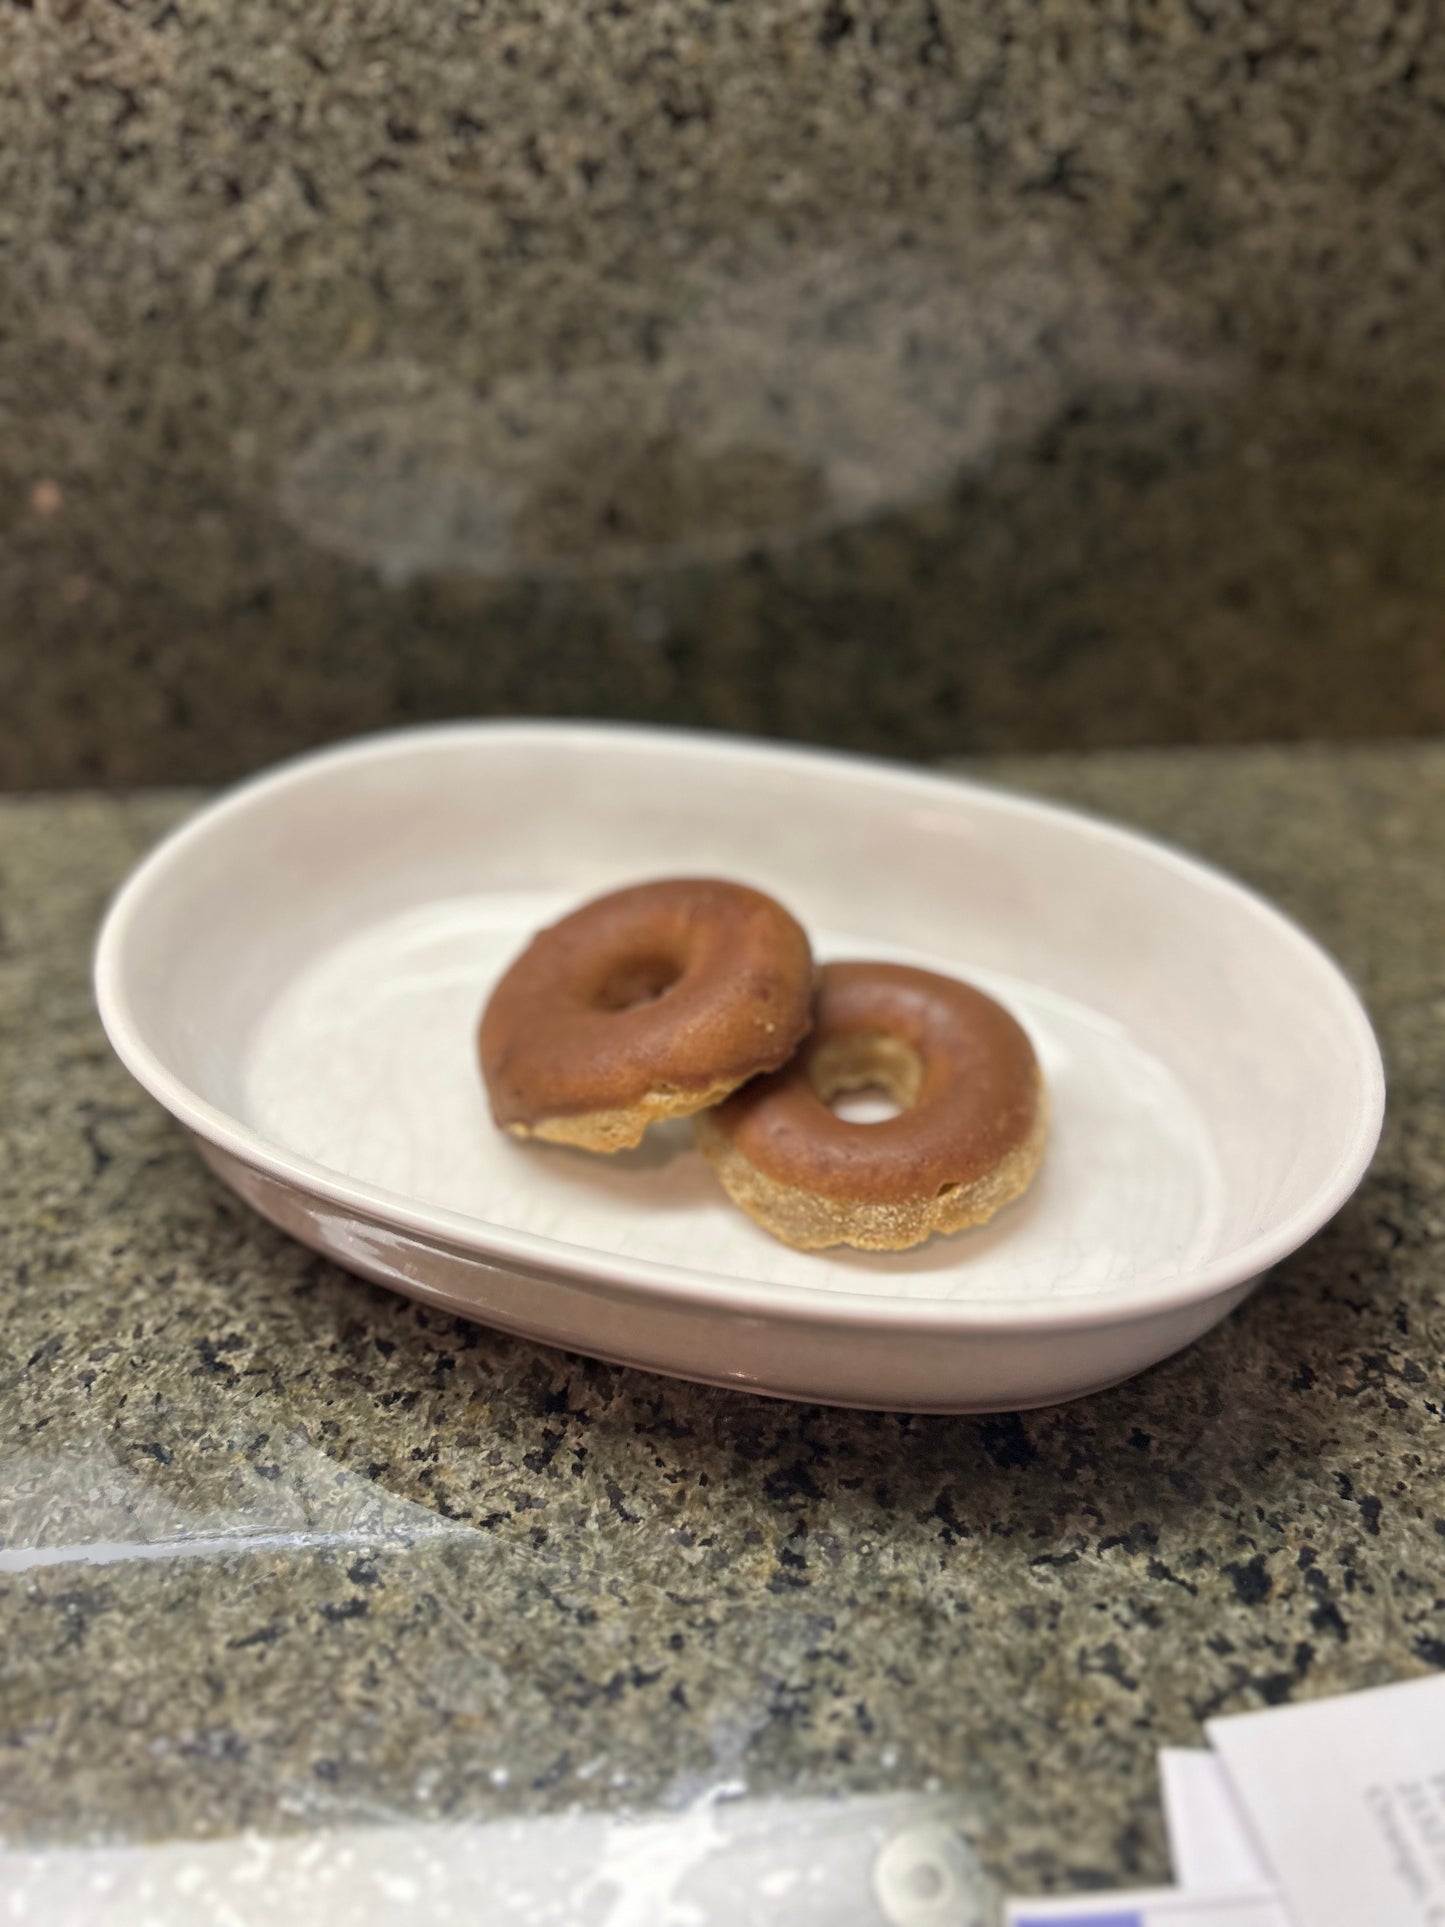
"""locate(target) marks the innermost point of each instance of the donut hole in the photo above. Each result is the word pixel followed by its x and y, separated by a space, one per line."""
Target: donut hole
pixel 866 1078
pixel 634 981
pixel 868 1105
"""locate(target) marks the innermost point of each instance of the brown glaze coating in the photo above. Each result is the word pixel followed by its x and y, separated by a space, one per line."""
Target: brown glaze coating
pixel 650 1002
pixel 967 1139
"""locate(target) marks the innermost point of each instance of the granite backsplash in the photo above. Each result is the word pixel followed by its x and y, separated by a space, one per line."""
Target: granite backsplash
pixel 912 375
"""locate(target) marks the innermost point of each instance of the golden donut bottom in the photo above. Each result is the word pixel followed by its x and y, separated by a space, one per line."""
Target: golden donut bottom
pixel 620 1129
pixel 810 1222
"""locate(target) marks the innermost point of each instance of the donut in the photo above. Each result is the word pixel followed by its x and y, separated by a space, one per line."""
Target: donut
pixel 649 1003
pixel 967 1138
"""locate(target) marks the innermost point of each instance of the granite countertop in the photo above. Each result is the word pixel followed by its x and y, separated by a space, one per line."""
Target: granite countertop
pixel 657 358
pixel 281 1550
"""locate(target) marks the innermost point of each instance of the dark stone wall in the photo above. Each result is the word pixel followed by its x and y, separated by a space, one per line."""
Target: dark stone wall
pixel 913 375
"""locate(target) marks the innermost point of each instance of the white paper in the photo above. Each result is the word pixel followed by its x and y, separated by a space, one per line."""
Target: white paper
pixel 1346 1798
pixel 1210 1844
pixel 1164 1907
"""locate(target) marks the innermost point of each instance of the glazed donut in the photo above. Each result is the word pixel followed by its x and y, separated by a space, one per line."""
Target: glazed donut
pixel 649 1003
pixel 967 1139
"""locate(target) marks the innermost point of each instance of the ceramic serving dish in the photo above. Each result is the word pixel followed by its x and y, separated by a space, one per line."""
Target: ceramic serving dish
pixel 296 975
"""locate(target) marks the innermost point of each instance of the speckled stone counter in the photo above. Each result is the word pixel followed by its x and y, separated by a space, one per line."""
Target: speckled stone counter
pixel 281 1550
pixel 923 375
